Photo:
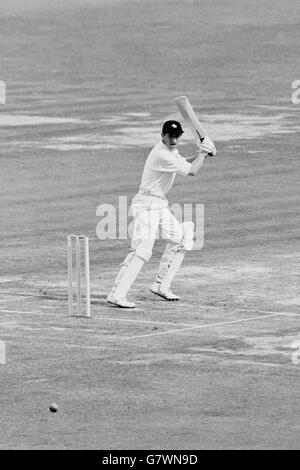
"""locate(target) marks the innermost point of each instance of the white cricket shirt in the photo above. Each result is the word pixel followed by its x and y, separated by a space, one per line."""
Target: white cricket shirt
pixel 161 167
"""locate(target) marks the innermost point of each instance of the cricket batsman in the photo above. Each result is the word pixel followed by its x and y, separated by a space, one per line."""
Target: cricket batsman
pixel 151 212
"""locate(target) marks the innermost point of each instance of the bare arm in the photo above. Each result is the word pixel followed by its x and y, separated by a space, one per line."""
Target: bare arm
pixel 197 164
pixel 206 147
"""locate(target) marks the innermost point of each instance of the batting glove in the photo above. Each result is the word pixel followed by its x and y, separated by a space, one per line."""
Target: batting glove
pixel 207 146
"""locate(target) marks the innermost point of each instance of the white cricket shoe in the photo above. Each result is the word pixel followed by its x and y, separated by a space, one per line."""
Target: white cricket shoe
pixel 169 295
pixel 121 303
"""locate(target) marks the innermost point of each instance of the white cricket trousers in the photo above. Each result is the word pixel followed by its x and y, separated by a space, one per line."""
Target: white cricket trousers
pixel 152 220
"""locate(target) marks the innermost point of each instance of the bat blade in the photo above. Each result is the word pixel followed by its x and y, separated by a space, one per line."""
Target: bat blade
pixel 190 117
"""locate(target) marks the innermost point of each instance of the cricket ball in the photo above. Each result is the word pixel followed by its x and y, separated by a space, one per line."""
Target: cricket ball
pixel 53 407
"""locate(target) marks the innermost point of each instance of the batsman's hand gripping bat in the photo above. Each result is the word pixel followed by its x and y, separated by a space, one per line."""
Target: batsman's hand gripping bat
pixel 190 118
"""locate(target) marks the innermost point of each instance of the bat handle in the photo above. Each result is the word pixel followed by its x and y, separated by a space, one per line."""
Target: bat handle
pixel 200 138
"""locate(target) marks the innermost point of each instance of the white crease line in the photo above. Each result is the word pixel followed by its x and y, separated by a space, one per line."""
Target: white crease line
pixel 189 325
pixel 24 311
pixel 103 318
pixel 265 311
pixel 202 326
pixel 205 307
pixel 144 321
pixel 290 314
pixel 17 299
pixel 20 293
pixel 258 363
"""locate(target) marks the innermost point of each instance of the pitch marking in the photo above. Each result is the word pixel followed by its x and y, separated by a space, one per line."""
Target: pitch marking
pixel 144 321
pixel 27 312
pixel 16 299
pixel 202 326
pixel 102 318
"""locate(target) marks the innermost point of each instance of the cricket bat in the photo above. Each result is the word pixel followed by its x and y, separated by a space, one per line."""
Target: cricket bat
pixel 190 117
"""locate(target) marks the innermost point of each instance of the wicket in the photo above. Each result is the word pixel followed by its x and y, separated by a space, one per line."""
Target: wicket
pixel 79 241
